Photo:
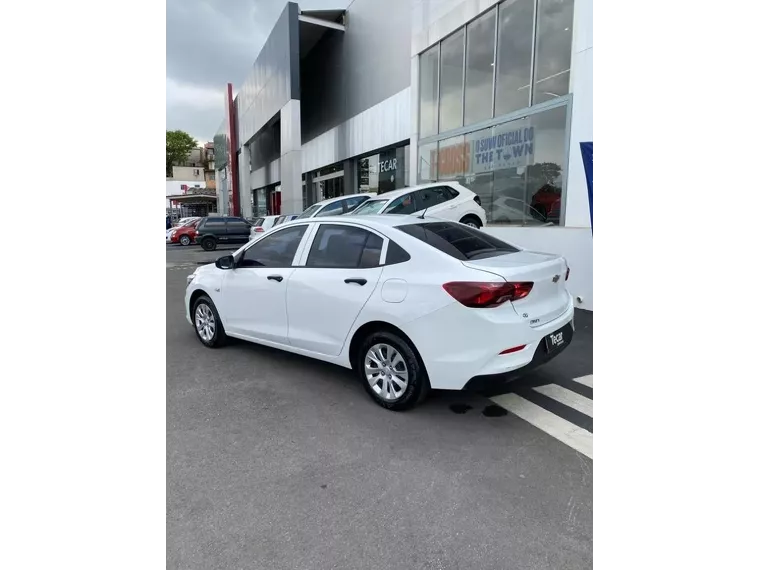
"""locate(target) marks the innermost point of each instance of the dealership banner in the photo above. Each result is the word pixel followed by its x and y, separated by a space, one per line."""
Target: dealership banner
pixel 586 149
pixel 511 149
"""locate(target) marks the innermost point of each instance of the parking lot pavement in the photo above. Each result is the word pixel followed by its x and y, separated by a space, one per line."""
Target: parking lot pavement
pixel 278 461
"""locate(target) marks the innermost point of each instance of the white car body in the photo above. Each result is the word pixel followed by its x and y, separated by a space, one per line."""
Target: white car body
pixel 336 206
pixel 461 208
pixel 314 312
pixel 266 225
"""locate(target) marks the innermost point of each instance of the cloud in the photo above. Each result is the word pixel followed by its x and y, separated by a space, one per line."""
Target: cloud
pixel 210 43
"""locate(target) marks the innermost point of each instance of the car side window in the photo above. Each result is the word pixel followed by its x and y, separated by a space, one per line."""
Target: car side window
pixel 214 223
pixel 344 247
pixel 449 192
pixel 275 250
pixel 334 209
pixel 428 197
pixel 402 205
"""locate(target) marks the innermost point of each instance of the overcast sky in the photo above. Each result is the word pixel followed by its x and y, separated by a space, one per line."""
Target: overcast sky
pixel 210 43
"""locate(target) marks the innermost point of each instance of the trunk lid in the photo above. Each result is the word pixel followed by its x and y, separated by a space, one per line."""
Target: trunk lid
pixel 549 296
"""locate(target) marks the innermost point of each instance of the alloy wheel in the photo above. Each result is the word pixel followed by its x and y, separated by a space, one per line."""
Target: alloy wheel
pixel 386 372
pixel 205 323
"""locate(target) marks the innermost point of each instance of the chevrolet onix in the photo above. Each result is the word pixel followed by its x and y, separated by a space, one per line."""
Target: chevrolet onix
pixel 408 303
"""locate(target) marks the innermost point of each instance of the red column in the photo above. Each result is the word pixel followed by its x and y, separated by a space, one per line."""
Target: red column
pixel 235 190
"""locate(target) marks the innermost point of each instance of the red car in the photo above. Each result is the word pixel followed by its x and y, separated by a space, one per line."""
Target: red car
pixel 547 201
pixel 184 235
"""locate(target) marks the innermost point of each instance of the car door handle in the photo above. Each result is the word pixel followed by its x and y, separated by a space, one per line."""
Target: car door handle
pixel 277 278
pixel 356 280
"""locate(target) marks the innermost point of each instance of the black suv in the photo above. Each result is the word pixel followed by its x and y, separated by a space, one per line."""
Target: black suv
pixel 222 229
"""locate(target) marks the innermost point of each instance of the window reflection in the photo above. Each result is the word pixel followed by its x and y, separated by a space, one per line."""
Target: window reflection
pixel 428 85
pixel 515 32
pixel 554 49
pixel 516 168
pixel 451 81
pixel 480 54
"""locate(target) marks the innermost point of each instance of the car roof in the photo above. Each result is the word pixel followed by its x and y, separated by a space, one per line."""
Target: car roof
pixel 373 220
pixel 338 198
pixel 403 191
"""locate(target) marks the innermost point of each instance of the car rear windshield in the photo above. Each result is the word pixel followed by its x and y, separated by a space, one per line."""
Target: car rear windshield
pixel 370 207
pixel 457 240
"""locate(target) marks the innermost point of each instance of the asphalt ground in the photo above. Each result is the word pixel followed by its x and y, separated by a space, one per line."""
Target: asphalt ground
pixel 279 461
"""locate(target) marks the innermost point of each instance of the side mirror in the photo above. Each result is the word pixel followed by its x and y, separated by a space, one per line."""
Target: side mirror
pixel 226 262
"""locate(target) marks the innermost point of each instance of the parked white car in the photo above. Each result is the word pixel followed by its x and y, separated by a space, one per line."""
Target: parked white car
pixel 262 225
pixel 446 200
pixel 336 206
pixel 410 304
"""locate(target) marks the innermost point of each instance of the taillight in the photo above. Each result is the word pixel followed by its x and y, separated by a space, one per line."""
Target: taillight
pixel 476 294
pixel 477 199
pixel 567 277
pixel 258 229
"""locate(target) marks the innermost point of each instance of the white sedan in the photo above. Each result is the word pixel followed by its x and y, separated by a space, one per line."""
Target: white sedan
pixel 447 200
pixel 410 304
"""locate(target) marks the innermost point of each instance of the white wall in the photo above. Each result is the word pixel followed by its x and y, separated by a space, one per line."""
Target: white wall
pixel 189 173
pixel 597 65
pixel 574 244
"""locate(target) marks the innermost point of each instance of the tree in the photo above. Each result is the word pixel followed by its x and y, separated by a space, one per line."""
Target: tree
pixel 178 147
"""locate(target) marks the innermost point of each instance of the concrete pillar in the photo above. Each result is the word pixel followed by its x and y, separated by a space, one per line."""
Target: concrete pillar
pixel 290 161
pixel 246 205
pixel 310 193
pixel 222 192
pixel 350 178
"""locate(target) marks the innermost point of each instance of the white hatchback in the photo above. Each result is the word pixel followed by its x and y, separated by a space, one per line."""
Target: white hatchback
pixel 262 225
pixel 447 200
pixel 410 304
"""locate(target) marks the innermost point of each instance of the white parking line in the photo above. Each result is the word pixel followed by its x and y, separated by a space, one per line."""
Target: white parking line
pixel 568 398
pixel 577 438
pixel 585 380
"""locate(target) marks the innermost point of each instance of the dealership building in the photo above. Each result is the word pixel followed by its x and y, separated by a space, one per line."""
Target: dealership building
pixel 497 96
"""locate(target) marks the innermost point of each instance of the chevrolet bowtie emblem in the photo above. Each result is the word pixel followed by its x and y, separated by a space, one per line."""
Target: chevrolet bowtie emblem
pixel 555 279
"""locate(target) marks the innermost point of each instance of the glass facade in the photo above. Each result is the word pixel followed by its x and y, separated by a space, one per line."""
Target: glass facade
pixel 500 65
pixel 384 171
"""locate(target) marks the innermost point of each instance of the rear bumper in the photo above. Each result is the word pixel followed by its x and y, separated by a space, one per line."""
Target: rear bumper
pixel 462 348
pixel 539 357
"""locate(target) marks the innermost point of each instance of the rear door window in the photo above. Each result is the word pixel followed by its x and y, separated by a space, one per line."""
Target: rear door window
pixel 428 197
pixel 344 247
pixel 457 240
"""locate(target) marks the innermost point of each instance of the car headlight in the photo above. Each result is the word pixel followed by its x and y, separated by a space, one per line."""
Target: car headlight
pixel 173 233
pixel 191 277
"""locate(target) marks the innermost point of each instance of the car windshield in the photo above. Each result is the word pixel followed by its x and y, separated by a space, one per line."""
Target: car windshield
pixel 457 240
pixel 310 211
pixel 370 207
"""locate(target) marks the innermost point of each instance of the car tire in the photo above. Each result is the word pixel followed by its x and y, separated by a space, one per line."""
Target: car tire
pixel 471 221
pixel 207 323
pixel 384 346
pixel 185 240
pixel 208 244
